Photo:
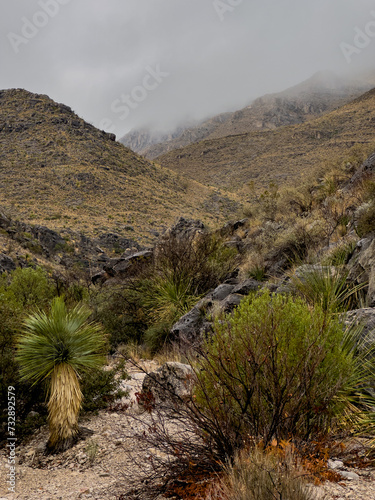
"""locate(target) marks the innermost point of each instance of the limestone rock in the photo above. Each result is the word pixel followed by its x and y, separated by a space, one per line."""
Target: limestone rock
pixel 168 381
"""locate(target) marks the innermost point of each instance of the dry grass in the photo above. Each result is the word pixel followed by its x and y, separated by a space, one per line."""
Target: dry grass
pixel 65 173
pixel 280 155
pixel 258 475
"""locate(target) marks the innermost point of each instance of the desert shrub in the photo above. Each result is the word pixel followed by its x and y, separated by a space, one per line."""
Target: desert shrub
pixel 31 287
pixel 28 398
pixel 276 370
pixel 295 244
pixel 328 287
pixel 267 202
pixel 21 292
pixel 201 260
pixel 258 475
pixel 273 370
pixel 300 201
pixel 120 311
pixel 101 388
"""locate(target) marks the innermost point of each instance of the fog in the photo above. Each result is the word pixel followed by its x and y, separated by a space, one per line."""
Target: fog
pixel 134 63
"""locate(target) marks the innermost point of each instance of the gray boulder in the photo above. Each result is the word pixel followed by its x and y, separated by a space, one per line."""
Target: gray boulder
pixel 169 382
pixel 222 291
pixel 188 327
pixel 224 298
pixel 247 286
pixel 185 228
pixel 231 302
pixel 6 263
pixel 366 318
pixel 362 266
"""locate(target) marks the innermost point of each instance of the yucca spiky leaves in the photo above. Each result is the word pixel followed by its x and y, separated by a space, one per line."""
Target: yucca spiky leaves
pixel 59 346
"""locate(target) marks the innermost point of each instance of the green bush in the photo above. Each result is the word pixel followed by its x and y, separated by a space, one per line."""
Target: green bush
pixel 21 292
pixel 31 287
pixel 101 388
pixel 278 368
pixel 28 398
pixel 120 311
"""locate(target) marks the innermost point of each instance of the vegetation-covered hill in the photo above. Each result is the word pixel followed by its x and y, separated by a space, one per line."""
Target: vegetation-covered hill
pixel 283 155
pixel 59 171
pixel 321 93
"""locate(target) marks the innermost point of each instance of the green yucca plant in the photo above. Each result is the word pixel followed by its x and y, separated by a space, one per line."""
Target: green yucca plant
pixel 327 287
pixel 171 299
pixel 57 347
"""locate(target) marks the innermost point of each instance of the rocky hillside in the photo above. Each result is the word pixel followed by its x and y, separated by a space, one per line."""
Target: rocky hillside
pixel 321 93
pixel 140 140
pixel 283 155
pixel 61 172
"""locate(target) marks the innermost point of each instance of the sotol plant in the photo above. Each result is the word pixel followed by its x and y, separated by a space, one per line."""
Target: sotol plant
pixel 57 347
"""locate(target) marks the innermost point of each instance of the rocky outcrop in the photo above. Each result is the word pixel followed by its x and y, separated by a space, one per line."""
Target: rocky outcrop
pixel 367 167
pixel 364 318
pixel 185 228
pixel 122 267
pixel 362 267
pixel 169 382
pixel 198 321
pixel 6 263
pixel 50 240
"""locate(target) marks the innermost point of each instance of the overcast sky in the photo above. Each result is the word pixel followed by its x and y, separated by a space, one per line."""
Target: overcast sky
pixel 122 64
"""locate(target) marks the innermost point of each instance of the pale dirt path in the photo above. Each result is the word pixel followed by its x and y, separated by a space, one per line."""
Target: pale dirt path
pixel 72 475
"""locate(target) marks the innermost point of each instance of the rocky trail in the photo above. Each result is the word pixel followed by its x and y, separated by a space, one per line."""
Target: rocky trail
pixel 98 466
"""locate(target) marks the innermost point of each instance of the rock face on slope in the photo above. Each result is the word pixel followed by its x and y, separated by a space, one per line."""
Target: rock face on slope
pixel 198 321
pixel 320 94
pixel 169 381
pixel 362 266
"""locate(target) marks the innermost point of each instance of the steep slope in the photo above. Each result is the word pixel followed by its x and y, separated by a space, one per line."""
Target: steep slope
pixel 57 170
pixel 140 140
pixel 321 93
pixel 284 154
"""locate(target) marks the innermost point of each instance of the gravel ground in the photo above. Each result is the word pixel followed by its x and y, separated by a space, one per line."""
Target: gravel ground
pixel 96 467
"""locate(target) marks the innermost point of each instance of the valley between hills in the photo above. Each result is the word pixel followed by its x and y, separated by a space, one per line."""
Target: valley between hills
pixel 213 305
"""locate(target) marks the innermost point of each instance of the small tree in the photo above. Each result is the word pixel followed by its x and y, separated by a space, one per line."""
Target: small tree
pixel 57 347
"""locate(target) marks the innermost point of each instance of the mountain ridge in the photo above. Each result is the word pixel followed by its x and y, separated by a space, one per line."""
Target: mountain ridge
pixel 319 94
pixel 280 155
pixel 57 170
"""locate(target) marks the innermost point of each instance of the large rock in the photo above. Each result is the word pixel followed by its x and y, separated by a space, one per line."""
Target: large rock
pixel 367 167
pixel 189 326
pixel 6 263
pixel 185 228
pixel 222 291
pixel 50 240
pixel 169 382
pixel 362 267
pixel 122 267
pixel 366 318
pixel 223 299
